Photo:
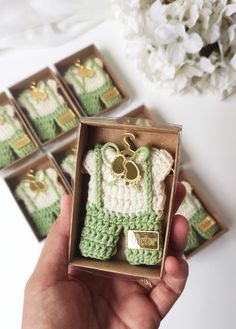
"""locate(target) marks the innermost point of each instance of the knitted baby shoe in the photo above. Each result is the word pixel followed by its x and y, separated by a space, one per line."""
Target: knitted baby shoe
pixel 48 110
pixel 199 219
pixel 14 142
pixel 41 194
pixel 113 205
pixel 96 90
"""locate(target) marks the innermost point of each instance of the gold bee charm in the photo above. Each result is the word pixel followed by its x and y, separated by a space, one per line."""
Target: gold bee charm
pixel 38 94
pixel 125 169
pixel 35 184
pixel 84 71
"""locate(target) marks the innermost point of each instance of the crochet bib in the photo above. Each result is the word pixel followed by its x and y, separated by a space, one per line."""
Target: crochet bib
pixel 42 200
pixel 14 142
pixel 201 225
pixel 50 114
pixel 95 91
pixel 114 206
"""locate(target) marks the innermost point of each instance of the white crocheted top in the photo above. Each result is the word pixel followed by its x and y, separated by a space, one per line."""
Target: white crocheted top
pixel 41 200
pixel 128 199
pixel 42 107
pixel 7 130
pixel 189 206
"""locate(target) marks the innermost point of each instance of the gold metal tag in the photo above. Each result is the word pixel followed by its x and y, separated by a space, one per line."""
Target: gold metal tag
pixel 126 169
pixel 66 117
pixel 2 120
pixel 110 94
pixel 143 240
pixel 206 224
pixel 38 94
pixel 84 71
pixel 20 143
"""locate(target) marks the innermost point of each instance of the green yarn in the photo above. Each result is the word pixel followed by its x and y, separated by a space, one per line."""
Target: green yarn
pixel 197 219
pixel 93 101
pixel 43 219
pixel 102 228
pixel 48 127
pixel 193 240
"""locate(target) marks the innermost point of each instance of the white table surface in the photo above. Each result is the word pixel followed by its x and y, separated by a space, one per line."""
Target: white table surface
pixel 209 138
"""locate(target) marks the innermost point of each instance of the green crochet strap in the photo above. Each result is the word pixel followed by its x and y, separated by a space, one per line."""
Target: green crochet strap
pixel 31 109
pixel 147 177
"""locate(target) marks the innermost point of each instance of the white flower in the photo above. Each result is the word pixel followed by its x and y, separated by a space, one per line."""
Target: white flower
pixel 183 45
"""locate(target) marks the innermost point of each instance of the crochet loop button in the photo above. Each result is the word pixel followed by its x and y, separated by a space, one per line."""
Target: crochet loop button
pixel 206 224
pixel 2 120
pixel 143 240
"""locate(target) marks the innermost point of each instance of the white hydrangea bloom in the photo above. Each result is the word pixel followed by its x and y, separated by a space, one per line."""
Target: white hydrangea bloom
pixel 182 45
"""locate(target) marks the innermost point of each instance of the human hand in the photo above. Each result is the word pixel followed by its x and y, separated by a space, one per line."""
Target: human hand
pixel 62 297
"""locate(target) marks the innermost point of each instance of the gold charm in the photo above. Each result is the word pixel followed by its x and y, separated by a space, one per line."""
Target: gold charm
pixel 2 120
pixel 206 224
pixel 148 240
pixel 35 184
pixel 110 94
pixel 20 143
pixel 84 71
pixel 38 94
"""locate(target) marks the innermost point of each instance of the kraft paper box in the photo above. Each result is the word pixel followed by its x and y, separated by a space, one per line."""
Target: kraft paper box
pixel 91 132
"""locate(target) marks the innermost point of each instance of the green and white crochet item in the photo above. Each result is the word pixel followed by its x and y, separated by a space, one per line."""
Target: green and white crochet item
pixel 113 205
pixel 201 224
pixel 43 206
pixel 14 142
pixel 93 91
pixel 50 115
pixel 68 165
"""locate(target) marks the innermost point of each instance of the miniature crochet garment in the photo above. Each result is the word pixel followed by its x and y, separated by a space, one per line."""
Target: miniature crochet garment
pixel 201 224
pixel 43 206
pixel 50 114
pixel 14 142
pixel 114 205
pixel 92 91
pixel 68 165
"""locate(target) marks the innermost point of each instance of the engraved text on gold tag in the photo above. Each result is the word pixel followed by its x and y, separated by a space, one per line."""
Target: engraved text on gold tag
pixel 20 143
pixel 143 240
pixel 110 94
pixel 206 224
pixel 66 117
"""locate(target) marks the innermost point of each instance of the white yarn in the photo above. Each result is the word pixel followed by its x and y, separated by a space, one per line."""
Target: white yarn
pixel 7 130
pixel 128 199
pixel 188 208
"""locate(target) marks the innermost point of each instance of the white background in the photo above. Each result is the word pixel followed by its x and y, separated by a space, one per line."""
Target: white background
pixel 209 143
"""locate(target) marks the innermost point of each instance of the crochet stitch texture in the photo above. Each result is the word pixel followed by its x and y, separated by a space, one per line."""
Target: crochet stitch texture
pixel 46 114
pixel 115 206
pixel 192 209
pixel 68 165
pixel 90 90
pixel 43 207
pixel 11 131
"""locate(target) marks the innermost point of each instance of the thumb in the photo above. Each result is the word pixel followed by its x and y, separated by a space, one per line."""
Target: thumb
pixel 52 265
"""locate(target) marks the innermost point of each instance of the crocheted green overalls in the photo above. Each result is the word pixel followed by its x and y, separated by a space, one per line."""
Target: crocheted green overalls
pixel 42 218
pixel 9 151
pixel 193 210
pixel 102 228
pixel 92 101
pixel 48 126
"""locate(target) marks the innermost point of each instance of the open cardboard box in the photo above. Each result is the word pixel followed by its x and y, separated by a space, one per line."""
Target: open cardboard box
pixel 25 84
pixel 4 100
pixel 13 178
pixel 89 52
pixel 91 132
pixel 184 176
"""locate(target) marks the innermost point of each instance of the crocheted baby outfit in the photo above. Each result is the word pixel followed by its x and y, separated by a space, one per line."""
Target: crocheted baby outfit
pixel 113 205
pixel 95 92
pixel 202 226
pixel 50 114
pixel 14 142
pixel 68 165
pixel 43 206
